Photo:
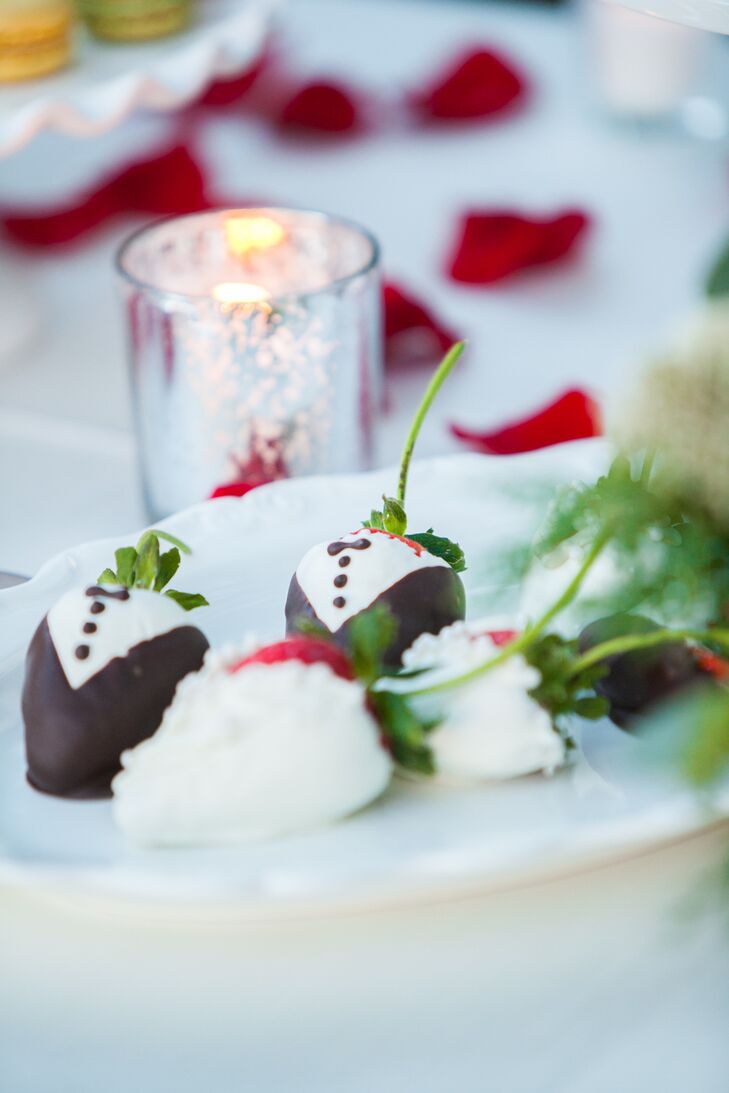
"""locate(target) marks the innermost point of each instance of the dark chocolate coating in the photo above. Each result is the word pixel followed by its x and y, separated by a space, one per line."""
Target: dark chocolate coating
pixel 422 603
pixel 636 680
pixel 73 738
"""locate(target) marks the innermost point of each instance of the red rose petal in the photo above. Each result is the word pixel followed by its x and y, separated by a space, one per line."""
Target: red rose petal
pixel 222 93
pixel 573 416
pixel 166 184
pixel 476 84
pixel 494 245
pixel 412 332
pixel 321 107
pixel 306 650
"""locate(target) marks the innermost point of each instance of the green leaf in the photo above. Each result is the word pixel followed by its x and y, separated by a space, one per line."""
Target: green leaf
pixel 369 636
pixel 376 521
pixel 717 281
pixel 311 628
pixel 188 600
pixel 560 692
pixel 169 563
pixel 591 707
pixel 147 561
pixel 107 577
pixel 172 539
pixel 394 517
pixel 126 561
pixel 405 733
pixel 442 548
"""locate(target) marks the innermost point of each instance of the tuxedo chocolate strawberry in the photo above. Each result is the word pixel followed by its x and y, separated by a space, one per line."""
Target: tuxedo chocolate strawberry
pixel 101 669
pixel 414 576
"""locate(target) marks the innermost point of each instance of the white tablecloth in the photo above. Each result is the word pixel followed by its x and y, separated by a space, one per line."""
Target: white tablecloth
pixel 583 985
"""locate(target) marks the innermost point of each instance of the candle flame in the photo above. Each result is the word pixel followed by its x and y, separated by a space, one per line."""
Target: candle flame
pixel 246 233
pixel 240 292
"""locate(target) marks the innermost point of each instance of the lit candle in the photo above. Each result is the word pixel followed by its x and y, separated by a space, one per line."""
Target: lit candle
pixel 232 293
pixel 255 343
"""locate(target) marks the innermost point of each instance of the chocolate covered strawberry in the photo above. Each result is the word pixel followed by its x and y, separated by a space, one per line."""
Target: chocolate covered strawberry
pixel 413 575
pixel 103 666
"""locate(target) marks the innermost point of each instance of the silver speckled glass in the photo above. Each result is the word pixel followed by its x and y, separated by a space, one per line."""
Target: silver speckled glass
pixel 255 348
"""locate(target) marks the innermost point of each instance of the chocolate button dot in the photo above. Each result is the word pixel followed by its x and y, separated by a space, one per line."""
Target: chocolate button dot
pixel 96 607
pixel 339 601
pixel 89 628
pixel 344 560
pixel 82 651
pixel 340 581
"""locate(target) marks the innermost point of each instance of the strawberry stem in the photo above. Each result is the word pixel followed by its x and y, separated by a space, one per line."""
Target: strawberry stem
pixel 629 642
pixel 441 374
pixel 525 639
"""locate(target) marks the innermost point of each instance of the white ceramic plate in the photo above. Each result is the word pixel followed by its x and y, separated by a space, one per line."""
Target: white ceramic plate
pixel 420 841
pixel 108 81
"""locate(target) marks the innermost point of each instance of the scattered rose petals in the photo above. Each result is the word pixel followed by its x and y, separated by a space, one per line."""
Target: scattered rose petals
pixel 412 332
pixel 166 184
pixel 575 415
pixel 494 245
pixel 321 107
pixel 476 84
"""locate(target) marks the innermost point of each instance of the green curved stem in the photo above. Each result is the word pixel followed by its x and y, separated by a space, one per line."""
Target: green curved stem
pixel 629 642
pixel 183 547
pixel 525 639
pixel 441 374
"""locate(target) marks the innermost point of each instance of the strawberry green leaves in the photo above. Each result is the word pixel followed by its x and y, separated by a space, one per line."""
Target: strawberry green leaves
pixel 370 634
pixel 391 518
pixel 562 691
pixel 145 566
pixel 441 547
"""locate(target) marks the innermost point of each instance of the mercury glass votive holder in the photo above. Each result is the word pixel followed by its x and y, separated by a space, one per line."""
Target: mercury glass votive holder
pixel 255 347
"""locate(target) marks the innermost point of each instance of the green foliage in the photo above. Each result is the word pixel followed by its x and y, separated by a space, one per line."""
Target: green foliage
pixel 144 566
pixel 717 281
pixel 705 754
pixel 560 692
pixel 404 731
pixel 672 558
pixel 369 636
pixel 620 502
pixel 441 547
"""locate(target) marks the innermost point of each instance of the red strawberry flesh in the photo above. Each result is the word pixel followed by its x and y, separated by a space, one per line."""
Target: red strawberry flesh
pixel 304 649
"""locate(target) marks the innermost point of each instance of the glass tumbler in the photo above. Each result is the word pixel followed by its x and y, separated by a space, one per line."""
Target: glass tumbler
pixel 255 348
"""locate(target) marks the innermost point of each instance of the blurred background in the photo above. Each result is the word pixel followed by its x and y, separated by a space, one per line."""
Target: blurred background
pixel 617 115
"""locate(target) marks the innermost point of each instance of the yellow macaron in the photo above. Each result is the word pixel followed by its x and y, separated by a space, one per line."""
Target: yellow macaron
pixel 35 38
